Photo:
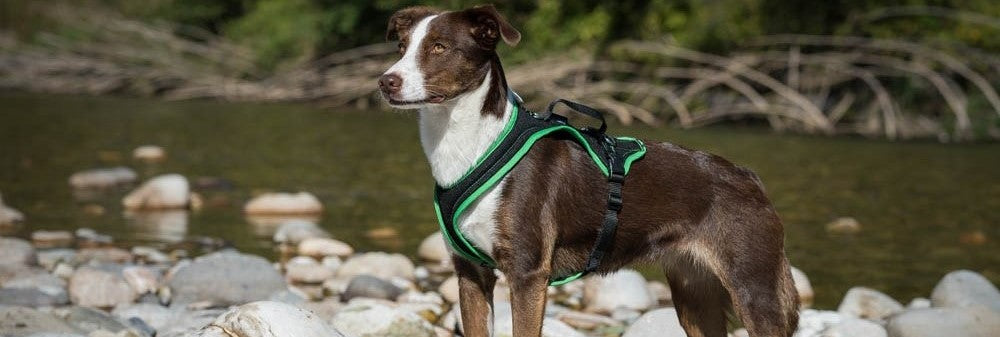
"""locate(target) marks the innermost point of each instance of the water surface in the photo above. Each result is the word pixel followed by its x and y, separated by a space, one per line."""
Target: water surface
pixel 915 200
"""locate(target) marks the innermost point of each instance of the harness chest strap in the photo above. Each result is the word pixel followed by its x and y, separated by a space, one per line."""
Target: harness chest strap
pixel 613 156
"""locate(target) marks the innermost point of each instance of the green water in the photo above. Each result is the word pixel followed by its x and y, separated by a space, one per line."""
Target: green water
pixel 915 200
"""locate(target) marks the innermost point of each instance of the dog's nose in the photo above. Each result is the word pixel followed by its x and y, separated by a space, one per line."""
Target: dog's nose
pixel 390 83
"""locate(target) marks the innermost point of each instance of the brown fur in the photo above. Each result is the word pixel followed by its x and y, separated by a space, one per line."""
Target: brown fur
pixel 706 221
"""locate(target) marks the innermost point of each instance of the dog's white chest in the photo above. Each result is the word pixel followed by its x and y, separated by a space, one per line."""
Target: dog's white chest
pixel 478 223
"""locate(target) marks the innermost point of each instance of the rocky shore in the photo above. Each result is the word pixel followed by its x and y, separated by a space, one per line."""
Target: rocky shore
pixel 67 284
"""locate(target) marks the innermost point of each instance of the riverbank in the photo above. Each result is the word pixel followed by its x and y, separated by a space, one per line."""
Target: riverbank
pixel 80 284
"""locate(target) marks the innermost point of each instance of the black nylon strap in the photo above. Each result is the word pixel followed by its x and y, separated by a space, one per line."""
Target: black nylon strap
pixel 616 180
pixel 586 110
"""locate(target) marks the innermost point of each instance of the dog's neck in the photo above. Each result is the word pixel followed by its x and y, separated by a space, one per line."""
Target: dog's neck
pixel 456 134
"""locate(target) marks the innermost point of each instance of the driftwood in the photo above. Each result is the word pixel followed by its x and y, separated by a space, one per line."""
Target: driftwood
pixel 813 84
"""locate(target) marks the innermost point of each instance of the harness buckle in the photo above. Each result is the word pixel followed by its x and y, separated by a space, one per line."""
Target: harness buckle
pixel 615 202
pixel 616 177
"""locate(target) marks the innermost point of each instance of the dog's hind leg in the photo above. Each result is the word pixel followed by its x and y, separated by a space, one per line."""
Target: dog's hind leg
pixel 764 297
pixel 700 299
pixel 475 290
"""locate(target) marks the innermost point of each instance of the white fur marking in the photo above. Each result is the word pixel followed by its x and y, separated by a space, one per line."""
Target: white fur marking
pixel 407 67
pixel 454 135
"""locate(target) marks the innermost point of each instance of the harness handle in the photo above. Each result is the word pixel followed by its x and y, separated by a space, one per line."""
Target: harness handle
pixel 586 110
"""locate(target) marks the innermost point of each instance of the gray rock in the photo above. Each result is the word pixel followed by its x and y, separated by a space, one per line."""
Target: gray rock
pixel 32 297
pixel 93 287
pixel 36 279
pixel 503 323
pixel 156 316
pixel 293 232
pixel 271 319
pixel 150 254
pixel 965 288
pixel 167 191
pixel 370 287
pixel 16 252
pixel 89 320
pixel 225 278
pixel 433 248
pixel 51 239
pixel 363 318
pixel 289 296
pixel 55 334
pixel 658 323
pixel 803 287
pixel 869 304
pixel 855 327
pixel 142 279
pixel 935 322
pixel 188 322
pixel 377 264
pixel 50 257
pixel 102 178
pixel 586 321
pixel 103 254
pixel 21 321
pixel 304 269
pixel 625 288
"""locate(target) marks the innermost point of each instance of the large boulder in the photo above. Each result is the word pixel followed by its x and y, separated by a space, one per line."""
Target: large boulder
pixel 869 304
pixel 433 248
pixel 965 288
pixel 625 288
pixel 102 178
pixel 167 191
pixel 936 322
pixel 226 278
pixel 100 288
pixel 284 203
pixel 16 252
pixel 377 264
pixel 856 327
pixel 268 319
pixel 295 231
pixel 21 321
pixel 368 319
pixel 658 323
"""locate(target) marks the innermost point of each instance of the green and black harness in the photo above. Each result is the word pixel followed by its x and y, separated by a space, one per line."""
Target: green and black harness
pixel 612 155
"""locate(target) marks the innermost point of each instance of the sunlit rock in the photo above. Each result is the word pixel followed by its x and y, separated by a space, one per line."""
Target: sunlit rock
pixel 284 203
pixel 102 178
pixel 168 191
pixel 149 153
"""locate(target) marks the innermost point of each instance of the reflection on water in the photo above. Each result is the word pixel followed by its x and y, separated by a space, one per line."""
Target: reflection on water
pixel 924 208
pixel 264 226
pixel 170 226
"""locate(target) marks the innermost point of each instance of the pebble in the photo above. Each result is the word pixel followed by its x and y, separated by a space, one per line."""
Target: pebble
pixel 965 288
pixel 50 257
pixel 304 269
pixel 449 289
pixel 156 316
pixel 659 323
pixel 868 304
pixel 625 288
pixel 320 247
pixel 803 287
pixel 378 264
pixel 433 248
pixel 225 278
pixel 143 280
pixel 103 254
pixel 269 319
pixel 51 239
pixel 295 231
pixel 149 153
pixel 16 252
pixel 365 318
pixel 370 287
pixel 919 303
pixel 844 225
pixel 102 178
pixel 586 321
pixel 169 191
pixel 99 288
pixel 283 203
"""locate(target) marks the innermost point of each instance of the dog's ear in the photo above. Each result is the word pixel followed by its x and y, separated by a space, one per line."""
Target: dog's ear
pixel 489 26
pixel 403 20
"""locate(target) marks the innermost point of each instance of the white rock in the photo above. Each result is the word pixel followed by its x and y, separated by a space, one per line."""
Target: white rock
pixel 102 178
pixel 965 288
pixel 812 323
pixel 91 287
pixel 659 323
pixel 149 153
pixel 143 280
pixel 272 319
pixel 366 318
pixel 660 291
pixel 156 316
pixel 284 203
pixel 919 303
pixel 319 247
pixel 803 287
pixel 449 289
pixel 377 264
pixel 16 252
pixel 295 231
pixel 433 248
pixel 304 269
pixel 9 215
pixel 162 192
pixel 503 324
pixel 625 288
pixel 935 322
pixel 855 327
pixel 869 304
pixel 741 332
pixel 844 225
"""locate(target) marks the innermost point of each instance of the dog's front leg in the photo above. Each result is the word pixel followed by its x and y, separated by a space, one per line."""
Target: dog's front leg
pixel 475 290
pixel 527 295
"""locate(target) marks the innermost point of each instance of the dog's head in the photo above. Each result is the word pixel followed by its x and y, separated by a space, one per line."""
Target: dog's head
pixel 444 54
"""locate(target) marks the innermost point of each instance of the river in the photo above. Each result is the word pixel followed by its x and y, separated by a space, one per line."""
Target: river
pixel 918 202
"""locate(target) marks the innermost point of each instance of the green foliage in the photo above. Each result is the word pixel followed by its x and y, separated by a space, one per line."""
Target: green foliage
pixel 281 30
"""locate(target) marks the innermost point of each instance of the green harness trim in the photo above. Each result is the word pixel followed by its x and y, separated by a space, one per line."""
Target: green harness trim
pixel 529 129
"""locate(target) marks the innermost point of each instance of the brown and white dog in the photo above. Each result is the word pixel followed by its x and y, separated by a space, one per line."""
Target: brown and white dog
pixel 706 221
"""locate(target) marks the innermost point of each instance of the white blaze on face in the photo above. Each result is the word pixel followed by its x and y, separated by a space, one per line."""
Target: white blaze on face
pixel 408 69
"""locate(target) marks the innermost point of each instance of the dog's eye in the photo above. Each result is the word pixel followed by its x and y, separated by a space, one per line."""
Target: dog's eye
pixel 402 48
pixel 438 48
